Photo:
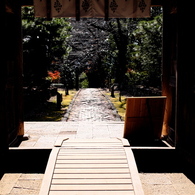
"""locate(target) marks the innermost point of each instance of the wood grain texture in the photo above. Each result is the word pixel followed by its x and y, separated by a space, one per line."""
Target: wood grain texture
pixel 87 167
pixel 144 116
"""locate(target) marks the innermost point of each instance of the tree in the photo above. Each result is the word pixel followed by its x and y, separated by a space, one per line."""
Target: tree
pixel 119 37
pixel 132 58
pixel 44 45
pixel 88 48
pixel 146 53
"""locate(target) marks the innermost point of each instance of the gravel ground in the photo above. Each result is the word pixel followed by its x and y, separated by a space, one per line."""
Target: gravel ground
pixel 91 105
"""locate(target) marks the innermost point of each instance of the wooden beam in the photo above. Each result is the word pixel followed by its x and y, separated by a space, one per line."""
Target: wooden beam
pixel 156 3
pixel 166 70
pixel 3 130
pixel 26 2
pixel 30 2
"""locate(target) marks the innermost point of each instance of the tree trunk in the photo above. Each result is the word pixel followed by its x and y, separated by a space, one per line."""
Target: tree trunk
pixel 121 40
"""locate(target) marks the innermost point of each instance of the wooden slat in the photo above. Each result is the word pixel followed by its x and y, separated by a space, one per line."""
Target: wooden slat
pixel 90 150
pixel 87 166
pixel 86 151
pixel 91 187
pixel 91 181
pixel 99 171
pixel 104 155
pixel 91 176
pixel 92 193
pixel 92 153
pixel 111 140
pixel 88 146
pixel 92 143
pixel 95 161
pixel 98 157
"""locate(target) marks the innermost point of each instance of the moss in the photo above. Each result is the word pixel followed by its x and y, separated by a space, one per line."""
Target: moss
pixel 66 99
pixel 120 106
pixel 49 111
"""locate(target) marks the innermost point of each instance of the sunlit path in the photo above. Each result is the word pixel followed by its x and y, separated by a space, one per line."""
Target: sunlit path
pixel 91 105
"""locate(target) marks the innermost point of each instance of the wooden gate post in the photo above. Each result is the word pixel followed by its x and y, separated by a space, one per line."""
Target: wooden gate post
pixel 19 59
pixel 144 118
pixel 3 132
pixel 168 65
pixel 11 84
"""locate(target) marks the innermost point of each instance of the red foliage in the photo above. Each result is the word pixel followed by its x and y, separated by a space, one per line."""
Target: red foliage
pixel 55 75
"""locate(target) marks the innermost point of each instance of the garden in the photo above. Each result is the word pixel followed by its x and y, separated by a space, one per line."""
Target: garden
pixel 93 53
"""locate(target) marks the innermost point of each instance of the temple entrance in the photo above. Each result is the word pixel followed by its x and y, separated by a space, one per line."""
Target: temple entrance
pixel 141 9
pixel 177 79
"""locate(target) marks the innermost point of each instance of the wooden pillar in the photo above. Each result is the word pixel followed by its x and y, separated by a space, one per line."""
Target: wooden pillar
pixel 185 115
pixel 169 66
pixel 11 113
pixel 166 66
pixel 3 129
pixel 19 62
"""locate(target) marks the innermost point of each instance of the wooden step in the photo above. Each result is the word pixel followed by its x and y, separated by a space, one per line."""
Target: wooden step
pixel 91 167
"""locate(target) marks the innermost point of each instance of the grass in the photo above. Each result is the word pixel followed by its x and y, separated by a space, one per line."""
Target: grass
pixel 49 111
pixel 66 99
pixel 120 106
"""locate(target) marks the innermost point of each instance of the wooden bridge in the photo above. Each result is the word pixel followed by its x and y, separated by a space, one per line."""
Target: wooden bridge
pixel 91 166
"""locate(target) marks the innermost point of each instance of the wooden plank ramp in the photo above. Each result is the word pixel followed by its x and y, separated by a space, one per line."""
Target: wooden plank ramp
pixel 95 166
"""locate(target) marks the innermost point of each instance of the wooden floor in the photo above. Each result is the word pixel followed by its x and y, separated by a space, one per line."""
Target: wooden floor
pixel 94 166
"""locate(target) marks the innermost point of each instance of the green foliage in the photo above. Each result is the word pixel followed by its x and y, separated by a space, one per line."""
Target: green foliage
pixel 53 33
pixel 130 55
pixel 145 54
pixel 134 53
pixel 44 44
pixel 83 80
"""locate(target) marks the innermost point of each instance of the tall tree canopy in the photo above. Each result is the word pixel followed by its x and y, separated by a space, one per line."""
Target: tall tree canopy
pixel 145 53
pixel 44 44
pixel 126 51
pixel 88 48
pixel 135 50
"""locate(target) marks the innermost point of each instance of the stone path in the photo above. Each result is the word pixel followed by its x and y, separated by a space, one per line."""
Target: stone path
pixel 166 184
pixel 45 134
pixel 90 116
pixel 92 105
pixel 20 184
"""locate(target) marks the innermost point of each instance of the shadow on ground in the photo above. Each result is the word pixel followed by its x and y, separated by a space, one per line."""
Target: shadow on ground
pixel 46 112
pixel 147 160
pixel 26 160
pixel 167 160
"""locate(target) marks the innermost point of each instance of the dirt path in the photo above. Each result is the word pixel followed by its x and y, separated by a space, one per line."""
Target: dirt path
pixel 91 105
